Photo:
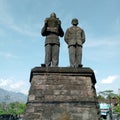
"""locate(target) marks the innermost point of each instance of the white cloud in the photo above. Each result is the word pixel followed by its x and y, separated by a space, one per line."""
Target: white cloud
pixel 109 79
pixel 7 19
pixel 14 85
pixel 98 42
pixel 8 55
pixel 2 32
pixel 27 29
pixel 116 25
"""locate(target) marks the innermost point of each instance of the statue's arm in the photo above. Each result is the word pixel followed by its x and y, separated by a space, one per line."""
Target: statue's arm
pixel 44 29
pixel 61 32
pixel 66 38
pixel 83 36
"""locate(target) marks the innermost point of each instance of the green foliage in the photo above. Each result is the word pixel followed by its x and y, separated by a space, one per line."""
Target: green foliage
pixel 100 97
pixel 117 107
pixel 107 94
pixel 15 108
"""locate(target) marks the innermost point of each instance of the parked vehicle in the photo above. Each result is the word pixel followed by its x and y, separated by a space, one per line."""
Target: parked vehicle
pixel 105 111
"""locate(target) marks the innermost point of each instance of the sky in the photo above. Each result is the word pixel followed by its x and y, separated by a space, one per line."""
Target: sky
pixel 22 45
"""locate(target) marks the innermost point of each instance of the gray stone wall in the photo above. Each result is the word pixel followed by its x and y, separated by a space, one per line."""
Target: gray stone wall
pixel 62 94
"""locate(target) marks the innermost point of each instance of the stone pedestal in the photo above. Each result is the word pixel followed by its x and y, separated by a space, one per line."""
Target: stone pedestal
pixel 62 93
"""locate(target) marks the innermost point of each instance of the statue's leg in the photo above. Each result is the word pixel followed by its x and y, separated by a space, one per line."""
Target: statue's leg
pixel 48 55
pixel 78 55
pixel 55 55
pixel 72 56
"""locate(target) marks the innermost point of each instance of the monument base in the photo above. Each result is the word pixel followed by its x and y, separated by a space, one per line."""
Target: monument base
pixel 58 93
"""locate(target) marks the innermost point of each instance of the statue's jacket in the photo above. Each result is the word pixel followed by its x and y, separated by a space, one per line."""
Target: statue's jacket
pixel 74 35
pixel 52 30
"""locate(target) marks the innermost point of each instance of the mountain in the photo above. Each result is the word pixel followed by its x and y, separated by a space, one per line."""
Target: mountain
pixel 8 96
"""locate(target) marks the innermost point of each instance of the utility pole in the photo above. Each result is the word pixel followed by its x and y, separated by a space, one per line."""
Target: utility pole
pixel 7 98
pixel 119 91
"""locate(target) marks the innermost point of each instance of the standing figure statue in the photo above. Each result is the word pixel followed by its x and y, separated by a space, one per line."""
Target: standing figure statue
pixel 75 37
pixel 52 30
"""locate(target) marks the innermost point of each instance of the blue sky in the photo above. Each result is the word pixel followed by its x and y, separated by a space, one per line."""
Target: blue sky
pixel 22 46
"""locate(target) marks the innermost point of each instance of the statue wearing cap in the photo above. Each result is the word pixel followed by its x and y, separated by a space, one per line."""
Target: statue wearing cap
pixel 75 37
pixel 52 30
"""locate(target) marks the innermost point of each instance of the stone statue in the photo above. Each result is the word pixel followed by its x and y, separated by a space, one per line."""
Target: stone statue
pixel 75 37
pixel 52 30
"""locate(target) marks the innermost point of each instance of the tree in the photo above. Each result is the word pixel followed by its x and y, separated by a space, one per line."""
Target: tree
pixel 3 108
pixel 117 106
pixel 17 108
pixel 14 108
pixel 106 95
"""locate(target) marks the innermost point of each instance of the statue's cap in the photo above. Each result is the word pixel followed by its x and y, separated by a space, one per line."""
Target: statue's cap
pixel 74 21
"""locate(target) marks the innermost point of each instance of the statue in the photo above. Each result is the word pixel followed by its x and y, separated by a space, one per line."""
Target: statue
pixel 75 37
pixel 52 30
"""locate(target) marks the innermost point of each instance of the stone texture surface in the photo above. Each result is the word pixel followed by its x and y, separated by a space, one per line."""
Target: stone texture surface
pixel 62 94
